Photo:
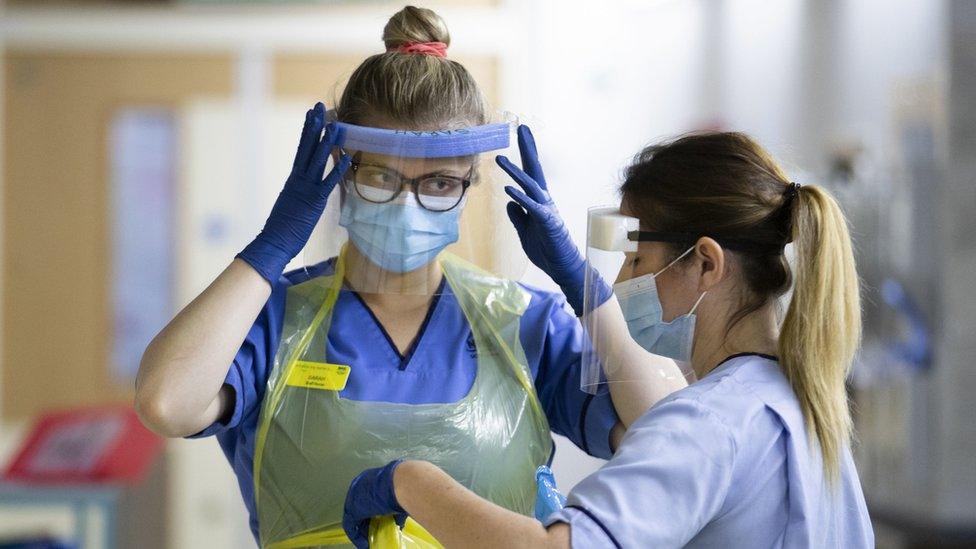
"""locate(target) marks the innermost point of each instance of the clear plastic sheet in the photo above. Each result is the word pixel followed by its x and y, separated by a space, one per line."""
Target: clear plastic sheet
pixel 311 443
pixel 610 354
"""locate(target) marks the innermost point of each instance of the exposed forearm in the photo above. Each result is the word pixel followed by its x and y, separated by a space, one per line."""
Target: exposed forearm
pixel 637 379
pixel 457 517
pixel 182 371
pixel 634 395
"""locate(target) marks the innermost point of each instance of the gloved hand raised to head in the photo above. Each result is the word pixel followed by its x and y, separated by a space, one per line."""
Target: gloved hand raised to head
pixel 302 200
pixel 370 495
pixel 541 230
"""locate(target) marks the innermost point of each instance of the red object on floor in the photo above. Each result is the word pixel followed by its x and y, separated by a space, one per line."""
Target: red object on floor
pixel 101 445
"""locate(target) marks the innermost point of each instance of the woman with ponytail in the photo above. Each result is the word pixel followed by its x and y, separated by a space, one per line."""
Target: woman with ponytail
pixel 756 453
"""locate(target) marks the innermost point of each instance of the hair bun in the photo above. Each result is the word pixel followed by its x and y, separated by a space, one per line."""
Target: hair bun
pixel 412 25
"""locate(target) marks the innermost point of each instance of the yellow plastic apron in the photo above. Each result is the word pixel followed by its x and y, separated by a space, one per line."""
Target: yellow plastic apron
pixel 311 443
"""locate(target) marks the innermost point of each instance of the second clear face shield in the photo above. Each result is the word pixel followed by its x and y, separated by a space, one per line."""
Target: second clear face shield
pixel 610 353
pixel 410 196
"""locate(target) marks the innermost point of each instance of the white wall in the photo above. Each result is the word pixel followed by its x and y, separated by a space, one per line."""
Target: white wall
pixel 601 81
pixel 761 71
pixel 608 79
pixel 883 45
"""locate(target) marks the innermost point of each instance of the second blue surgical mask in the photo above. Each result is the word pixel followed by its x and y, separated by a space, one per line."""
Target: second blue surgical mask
pixel 642 310
pixel 399 236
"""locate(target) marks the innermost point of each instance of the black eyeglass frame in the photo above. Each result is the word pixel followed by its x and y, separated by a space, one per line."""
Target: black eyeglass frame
pixel 413 182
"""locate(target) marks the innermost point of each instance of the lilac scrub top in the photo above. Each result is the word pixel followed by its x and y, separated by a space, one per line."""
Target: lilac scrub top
pixel 724 462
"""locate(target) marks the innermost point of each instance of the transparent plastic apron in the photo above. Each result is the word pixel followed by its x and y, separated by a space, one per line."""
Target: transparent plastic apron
pixel 311 443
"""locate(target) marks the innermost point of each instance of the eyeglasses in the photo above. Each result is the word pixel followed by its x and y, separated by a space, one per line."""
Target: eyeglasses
pixel 379 184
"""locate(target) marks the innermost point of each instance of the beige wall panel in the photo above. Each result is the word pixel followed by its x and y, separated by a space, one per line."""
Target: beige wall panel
pixel 56 240
pixel 321 76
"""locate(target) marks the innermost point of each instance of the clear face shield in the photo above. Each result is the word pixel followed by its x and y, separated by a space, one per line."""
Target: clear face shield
pixel 412 198
pixel 611 355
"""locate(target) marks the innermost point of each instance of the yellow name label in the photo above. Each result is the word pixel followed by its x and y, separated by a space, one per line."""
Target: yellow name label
pixel 318 375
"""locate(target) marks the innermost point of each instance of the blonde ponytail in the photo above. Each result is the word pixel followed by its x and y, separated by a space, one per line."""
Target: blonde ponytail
pixel 822 329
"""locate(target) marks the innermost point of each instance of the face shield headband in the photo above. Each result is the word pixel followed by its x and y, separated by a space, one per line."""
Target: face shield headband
pixel 426 143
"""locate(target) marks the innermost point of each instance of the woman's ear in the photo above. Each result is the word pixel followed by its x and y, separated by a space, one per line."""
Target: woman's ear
pixel 712 259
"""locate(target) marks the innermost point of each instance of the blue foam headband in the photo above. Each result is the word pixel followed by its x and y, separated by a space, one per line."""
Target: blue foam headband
pixel 425 144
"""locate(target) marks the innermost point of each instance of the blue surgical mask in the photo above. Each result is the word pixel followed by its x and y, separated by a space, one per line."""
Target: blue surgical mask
pixel 642 310
pixel 398 236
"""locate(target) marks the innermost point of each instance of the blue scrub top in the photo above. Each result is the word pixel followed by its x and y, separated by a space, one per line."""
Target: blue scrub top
pixel 725 462
pixel 440 366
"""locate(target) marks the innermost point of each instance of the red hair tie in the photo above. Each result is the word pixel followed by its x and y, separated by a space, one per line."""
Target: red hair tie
pixel 437 49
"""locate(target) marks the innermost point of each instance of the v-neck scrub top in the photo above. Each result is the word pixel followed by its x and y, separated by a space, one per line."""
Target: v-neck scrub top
pixel 439 367
pixel 724 462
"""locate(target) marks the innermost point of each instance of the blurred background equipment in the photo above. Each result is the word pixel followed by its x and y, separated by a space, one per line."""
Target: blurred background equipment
pixel 143 143
pixel 84 478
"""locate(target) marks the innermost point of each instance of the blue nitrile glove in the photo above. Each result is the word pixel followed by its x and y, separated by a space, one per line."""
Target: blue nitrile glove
pixel 301 202
pixel 544 236
pixel 370 495
pixel 548 500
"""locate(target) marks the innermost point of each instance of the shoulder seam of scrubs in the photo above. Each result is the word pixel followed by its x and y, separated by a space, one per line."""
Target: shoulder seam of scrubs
pixel 598 523
pixel 299 275
pixel 582 423
pixel 740 355
pixel 715 417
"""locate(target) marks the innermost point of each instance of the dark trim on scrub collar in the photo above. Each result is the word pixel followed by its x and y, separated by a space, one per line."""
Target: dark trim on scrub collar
pixel 582 423
pixel 740 355
pixel 405 358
